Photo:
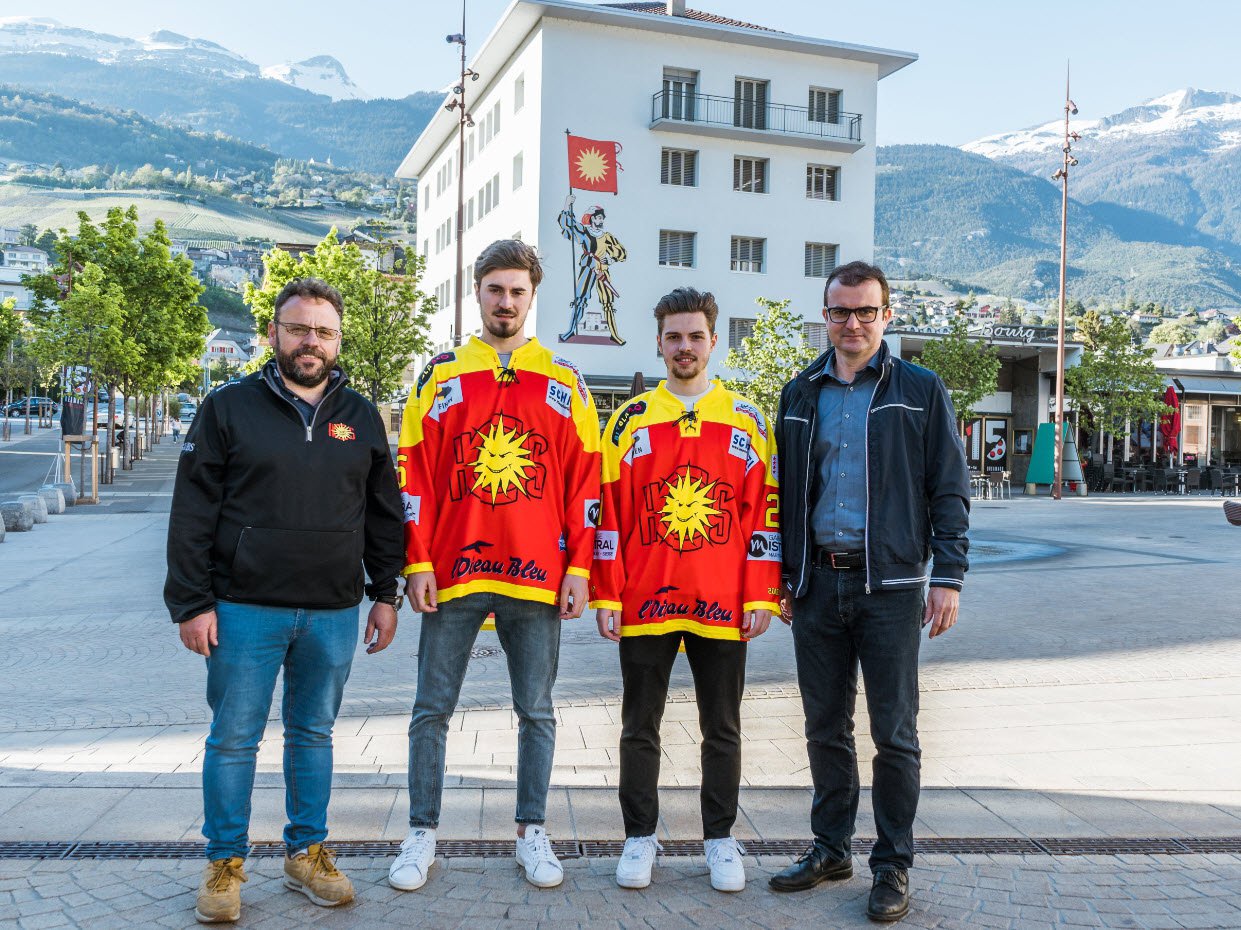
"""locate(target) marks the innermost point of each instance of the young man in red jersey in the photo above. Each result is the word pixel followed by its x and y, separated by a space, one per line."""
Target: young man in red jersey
pixel 498 463
pixel 687 552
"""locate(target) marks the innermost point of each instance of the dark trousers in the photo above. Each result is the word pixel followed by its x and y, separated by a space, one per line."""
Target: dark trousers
pixel 837 626
pixel 718 667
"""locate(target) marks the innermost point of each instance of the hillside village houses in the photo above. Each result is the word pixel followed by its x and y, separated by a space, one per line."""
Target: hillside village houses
pixel 17 261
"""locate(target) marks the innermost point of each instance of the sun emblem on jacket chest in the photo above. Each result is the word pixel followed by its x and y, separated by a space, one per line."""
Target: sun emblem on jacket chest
pixel 341 431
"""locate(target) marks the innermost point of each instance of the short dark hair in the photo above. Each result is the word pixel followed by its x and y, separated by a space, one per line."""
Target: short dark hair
pixel 509 254
pixel 855 273
pixel 309 289
pixel 687 300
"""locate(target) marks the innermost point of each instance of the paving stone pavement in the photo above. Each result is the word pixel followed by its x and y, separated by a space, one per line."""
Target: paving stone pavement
pixel 950 892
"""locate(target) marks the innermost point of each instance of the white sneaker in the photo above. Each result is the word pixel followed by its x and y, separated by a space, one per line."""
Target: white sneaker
pixel 724 860
pixel 534 854
pixel 636 861
pixel 409 870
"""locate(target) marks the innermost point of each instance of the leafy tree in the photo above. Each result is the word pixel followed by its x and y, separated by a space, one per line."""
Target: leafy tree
pixel 1010 315
pixel 968 367
pixel 771 355
pixel 1117 381
pixel 47 242
pixel 386 313
pixel 1214 331
pixel 1176 332
pixel 27 234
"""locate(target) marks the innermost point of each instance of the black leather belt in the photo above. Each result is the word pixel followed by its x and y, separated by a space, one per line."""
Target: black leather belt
pixel 839 560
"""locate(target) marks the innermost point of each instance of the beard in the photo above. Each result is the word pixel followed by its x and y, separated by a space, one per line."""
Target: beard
pixel 305 377
pixel 688 368
pixel 502 327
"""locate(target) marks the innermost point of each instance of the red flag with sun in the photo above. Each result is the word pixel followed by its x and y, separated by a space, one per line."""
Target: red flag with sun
pixel 592 164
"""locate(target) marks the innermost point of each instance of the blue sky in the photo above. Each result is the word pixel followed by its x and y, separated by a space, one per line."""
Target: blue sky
pixel 986 66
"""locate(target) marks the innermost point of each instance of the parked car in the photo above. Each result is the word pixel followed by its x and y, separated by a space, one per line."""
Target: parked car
pixel 36 404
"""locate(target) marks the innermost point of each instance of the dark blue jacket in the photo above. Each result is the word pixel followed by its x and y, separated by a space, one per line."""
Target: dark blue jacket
pixel 917 481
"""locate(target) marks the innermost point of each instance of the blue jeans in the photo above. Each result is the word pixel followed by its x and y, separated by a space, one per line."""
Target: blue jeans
pixel 837 626
pixel 315 648
pixel 530 635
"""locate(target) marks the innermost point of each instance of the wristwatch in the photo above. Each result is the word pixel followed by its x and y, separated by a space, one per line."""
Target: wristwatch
pixel 392 600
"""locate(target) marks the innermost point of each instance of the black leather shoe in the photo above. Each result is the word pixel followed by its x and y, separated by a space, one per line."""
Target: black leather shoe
pixel 813 867
pixel 889 895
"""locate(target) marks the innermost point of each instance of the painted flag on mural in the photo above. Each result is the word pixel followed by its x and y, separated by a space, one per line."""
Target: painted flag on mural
pixel 592 164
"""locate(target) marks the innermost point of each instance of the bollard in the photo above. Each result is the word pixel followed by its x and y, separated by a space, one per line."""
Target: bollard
pixel 36 503
pixel 69 493
pixel 18 516
pixel 53 498
pixel 1 531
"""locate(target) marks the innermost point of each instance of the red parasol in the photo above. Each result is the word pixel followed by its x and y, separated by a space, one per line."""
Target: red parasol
pixel 1170 423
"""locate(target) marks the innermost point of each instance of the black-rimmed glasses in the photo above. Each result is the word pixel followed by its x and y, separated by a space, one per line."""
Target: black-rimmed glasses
pixel 301 331
pixel 863 314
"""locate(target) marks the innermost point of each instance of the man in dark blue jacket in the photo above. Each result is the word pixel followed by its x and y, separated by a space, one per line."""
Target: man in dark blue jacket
pixel 873 486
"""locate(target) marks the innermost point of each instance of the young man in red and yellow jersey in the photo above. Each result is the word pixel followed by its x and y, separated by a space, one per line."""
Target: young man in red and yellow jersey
pixel 688 551
pixel 498 464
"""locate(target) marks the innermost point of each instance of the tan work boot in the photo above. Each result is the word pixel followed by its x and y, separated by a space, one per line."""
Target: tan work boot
pixel 314 874
pixel 219 895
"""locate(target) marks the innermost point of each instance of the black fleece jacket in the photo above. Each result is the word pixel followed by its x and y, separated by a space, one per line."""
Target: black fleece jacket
pixel 270 509
pixel 917 480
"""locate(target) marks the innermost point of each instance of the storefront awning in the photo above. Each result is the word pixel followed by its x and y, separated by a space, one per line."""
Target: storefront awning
pixel 1206 384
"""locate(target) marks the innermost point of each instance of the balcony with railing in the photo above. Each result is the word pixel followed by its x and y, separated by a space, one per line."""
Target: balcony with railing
pixel 745 117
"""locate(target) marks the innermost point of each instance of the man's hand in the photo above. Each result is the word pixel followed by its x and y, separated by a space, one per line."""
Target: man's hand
pixel 609 623
pixel 568 201
pixel 198 634
pixel 420 589
pixel 572 597
pixel 786 604
pixel 380 627
pixel 941 610
pixel 754 623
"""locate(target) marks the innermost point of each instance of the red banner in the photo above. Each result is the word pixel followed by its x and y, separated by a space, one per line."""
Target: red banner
pixel 592 165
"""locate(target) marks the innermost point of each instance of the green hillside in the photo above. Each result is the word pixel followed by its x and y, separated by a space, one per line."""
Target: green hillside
pixel 48 129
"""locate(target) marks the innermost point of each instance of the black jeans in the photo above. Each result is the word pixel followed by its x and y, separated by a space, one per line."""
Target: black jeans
pixel 718 667
pixel 836 627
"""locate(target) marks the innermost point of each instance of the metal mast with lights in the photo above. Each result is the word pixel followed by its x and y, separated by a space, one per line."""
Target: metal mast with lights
pixel 464 120
pixel 1062 175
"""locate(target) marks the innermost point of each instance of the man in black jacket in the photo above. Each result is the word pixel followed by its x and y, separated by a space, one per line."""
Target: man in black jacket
pixel 873 483
pixel 285 491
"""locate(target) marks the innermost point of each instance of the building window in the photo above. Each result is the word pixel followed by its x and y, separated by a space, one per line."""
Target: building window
pixel 820 259
pixel 469 150
pixel 519 93
pixel 750 175
pixel 426 247
pixel 750 103
pixel 678 167
pixel 824 105
pixel 747 254
pixel 469 214
pixel 815 335
pixel 822 182
pixel 676 249
pixel 680 94
pixel 517 168
pixel 426 194
pixel 739 328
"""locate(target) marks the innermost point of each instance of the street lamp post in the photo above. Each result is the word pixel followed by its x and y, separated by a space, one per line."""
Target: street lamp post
pixel 1062 175
pixel 464 120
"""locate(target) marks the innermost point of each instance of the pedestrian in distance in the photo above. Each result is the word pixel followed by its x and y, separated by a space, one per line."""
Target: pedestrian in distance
pixel 176 430
pixel 874 487
pixel 499 466
pixel 687 552
pixel 285 500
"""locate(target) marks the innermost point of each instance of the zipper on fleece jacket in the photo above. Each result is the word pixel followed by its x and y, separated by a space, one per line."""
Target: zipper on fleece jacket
pixel 336 384
pixel 866 446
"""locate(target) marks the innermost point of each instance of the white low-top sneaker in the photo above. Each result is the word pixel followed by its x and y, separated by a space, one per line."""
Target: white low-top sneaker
pixel 534 854
pixel 724 860
pixel 408 871
pixel 636 861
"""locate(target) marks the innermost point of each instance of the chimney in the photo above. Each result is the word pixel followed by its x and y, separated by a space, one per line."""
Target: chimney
pixel 676 7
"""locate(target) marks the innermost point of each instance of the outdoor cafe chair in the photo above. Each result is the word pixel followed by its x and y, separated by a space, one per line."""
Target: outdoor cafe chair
pixel 1001 484
pixel 1159 480
pixel 1193 479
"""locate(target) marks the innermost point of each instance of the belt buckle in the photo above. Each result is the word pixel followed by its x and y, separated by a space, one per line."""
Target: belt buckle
pixel 833 559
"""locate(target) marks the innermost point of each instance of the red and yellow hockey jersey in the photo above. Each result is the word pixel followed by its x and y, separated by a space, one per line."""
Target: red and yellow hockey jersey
pixel 690 535
pixel 499 473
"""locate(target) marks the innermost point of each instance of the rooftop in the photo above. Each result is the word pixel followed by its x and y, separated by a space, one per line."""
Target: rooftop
pixel 660 8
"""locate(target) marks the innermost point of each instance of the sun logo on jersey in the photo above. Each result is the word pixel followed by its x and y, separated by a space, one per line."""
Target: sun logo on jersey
pixel 688 510
pixel 503 462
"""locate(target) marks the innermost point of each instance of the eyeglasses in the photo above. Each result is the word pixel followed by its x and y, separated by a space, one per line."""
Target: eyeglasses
pixel 863 314
pixel 301 331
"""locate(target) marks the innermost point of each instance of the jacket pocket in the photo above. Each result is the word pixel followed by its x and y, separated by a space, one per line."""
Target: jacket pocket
pixel 297 568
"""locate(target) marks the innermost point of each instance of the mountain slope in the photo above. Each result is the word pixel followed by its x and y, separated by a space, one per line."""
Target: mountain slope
pixel 322 74
pixel 945 212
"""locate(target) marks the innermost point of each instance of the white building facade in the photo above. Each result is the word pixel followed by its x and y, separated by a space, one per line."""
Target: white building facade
pixel 747 162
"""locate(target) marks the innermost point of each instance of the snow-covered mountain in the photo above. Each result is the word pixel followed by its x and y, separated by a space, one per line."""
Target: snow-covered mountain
pixel 171 51
pixel 322 74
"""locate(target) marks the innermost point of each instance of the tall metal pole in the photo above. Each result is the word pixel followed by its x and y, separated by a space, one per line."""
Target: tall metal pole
pixel 462 117
pixel 1063 173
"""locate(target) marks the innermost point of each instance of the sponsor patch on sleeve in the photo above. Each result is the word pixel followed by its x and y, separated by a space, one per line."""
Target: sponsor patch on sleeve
pixel 187 448
pixel 591 516
pixel 749 410
pixel 633 410
pixel 448 395
pixel 606 542
pixel 641 445
pixel 559 397
pixel 581 382
pixel 739 445
pixel 412 505
pixel 430 369
pixel 775 467
pixel 764 547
